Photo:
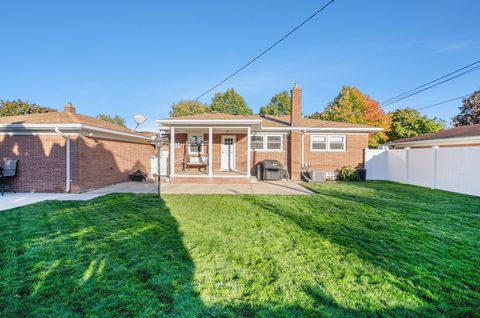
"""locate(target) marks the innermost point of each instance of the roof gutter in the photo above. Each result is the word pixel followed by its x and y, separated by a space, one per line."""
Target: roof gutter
pixel 305 129
pixel 437 142
pixel 74 128
pixel 209 121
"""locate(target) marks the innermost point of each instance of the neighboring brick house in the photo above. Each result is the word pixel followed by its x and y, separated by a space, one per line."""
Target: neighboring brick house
pixel 463 136
pixel 240 142
pixel 66 151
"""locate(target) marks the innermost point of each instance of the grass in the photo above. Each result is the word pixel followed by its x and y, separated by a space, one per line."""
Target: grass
pixel 352 250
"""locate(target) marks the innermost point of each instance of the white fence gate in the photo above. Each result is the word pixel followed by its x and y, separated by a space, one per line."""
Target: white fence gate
pixel 163 164
pixel 455 169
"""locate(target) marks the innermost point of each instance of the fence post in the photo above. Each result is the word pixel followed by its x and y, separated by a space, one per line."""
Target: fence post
pixel 407 159
pixel 435 155
pixel 387 172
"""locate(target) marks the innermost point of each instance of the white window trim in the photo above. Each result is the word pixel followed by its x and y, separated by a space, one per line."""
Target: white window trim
pixel 327 138
pixel 252 143
pixel 318 150
pixel 265 143
pixel 188 144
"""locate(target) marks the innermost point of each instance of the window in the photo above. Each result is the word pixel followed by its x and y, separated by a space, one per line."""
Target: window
pixel 257 142
pixel 195 145
pixel 328 143
pixel 336 143
pixel 319 143
pixel 267 142
pixel 274 142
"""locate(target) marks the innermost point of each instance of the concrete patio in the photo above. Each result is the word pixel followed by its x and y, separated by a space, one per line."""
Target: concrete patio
pixel 14 200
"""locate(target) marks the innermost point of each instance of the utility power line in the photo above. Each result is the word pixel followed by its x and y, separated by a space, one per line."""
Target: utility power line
pixel 443 79
pixel 443 102
pixel 265 51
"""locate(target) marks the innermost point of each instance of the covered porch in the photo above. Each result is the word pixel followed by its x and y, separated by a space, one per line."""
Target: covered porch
pixel 210 151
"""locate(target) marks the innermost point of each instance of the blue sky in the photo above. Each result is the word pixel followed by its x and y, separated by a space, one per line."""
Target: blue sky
pixel 127 57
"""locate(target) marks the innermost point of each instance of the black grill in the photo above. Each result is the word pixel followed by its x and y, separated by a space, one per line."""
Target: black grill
pixel 270 170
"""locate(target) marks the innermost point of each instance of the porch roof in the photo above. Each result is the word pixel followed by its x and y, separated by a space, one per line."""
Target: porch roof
pixel 211 120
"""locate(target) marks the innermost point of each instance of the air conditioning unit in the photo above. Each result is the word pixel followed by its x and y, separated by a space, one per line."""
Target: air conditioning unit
pixel 318 176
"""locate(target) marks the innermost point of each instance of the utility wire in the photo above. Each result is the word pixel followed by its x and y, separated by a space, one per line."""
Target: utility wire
pixel 428 85
pixel 444 102
pixel 265 51
pixel 431 86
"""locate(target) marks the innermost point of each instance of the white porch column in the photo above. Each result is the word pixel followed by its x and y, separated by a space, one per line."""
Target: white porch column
pixel 172 151
pixel 248 150
pixel 210 151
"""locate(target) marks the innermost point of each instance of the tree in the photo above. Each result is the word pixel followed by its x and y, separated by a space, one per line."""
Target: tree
pixel 279 105
pixel 230 102
pixel 352 106
pixel 19 107
pixel 188 107
pixel 469 111
pixel 408 122
pixel 117 120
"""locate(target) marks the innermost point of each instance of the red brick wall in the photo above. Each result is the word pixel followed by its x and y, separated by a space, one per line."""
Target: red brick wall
pixel 103 162
pixel 41 166
pixel 331 161
pixel 180 152
pixel 295 155
pixel 258 156
pixel 93 163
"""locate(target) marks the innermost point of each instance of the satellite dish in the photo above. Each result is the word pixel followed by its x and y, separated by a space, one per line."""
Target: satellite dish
pixel 139 119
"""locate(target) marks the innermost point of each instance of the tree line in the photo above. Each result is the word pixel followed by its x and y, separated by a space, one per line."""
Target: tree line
pixel 350 105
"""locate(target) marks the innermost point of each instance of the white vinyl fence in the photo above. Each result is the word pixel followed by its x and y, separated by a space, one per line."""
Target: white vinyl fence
pixel 163 164
pixel 455 169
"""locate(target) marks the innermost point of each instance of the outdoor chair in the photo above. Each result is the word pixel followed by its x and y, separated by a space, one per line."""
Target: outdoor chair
pixel 197 162
pixel 7 174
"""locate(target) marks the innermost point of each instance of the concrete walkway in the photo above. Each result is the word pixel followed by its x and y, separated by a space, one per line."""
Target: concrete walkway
pixel 13 200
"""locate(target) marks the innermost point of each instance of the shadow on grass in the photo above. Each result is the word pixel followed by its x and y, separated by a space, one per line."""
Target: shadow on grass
pixel 118 255
pixel 123 255
pixel 428 239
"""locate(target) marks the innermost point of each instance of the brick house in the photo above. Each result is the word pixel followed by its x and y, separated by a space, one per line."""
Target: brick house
pixel 67 151
pixel 228 147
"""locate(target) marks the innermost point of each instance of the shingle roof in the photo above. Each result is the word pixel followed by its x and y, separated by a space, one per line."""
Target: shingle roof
pixel 63 118
pixel 457 132
pixel 273 121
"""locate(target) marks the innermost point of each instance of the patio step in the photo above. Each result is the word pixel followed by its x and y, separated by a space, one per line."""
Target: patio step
pixel 210 180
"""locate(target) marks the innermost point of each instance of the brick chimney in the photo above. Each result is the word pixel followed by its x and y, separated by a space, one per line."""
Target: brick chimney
pixel 295 153
pixel 69 108
pixel 296 105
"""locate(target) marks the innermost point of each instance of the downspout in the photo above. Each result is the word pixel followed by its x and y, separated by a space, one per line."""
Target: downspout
pixel 304 175
pixel 303 149
pixel 67 138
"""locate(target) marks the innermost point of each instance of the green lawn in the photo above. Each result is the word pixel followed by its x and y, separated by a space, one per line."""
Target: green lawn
pixel 353 249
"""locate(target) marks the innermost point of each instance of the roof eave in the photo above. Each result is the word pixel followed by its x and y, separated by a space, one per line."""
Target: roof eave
pixel 326 129
pixel 437 141
pixel 206 122
pixel 88 130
